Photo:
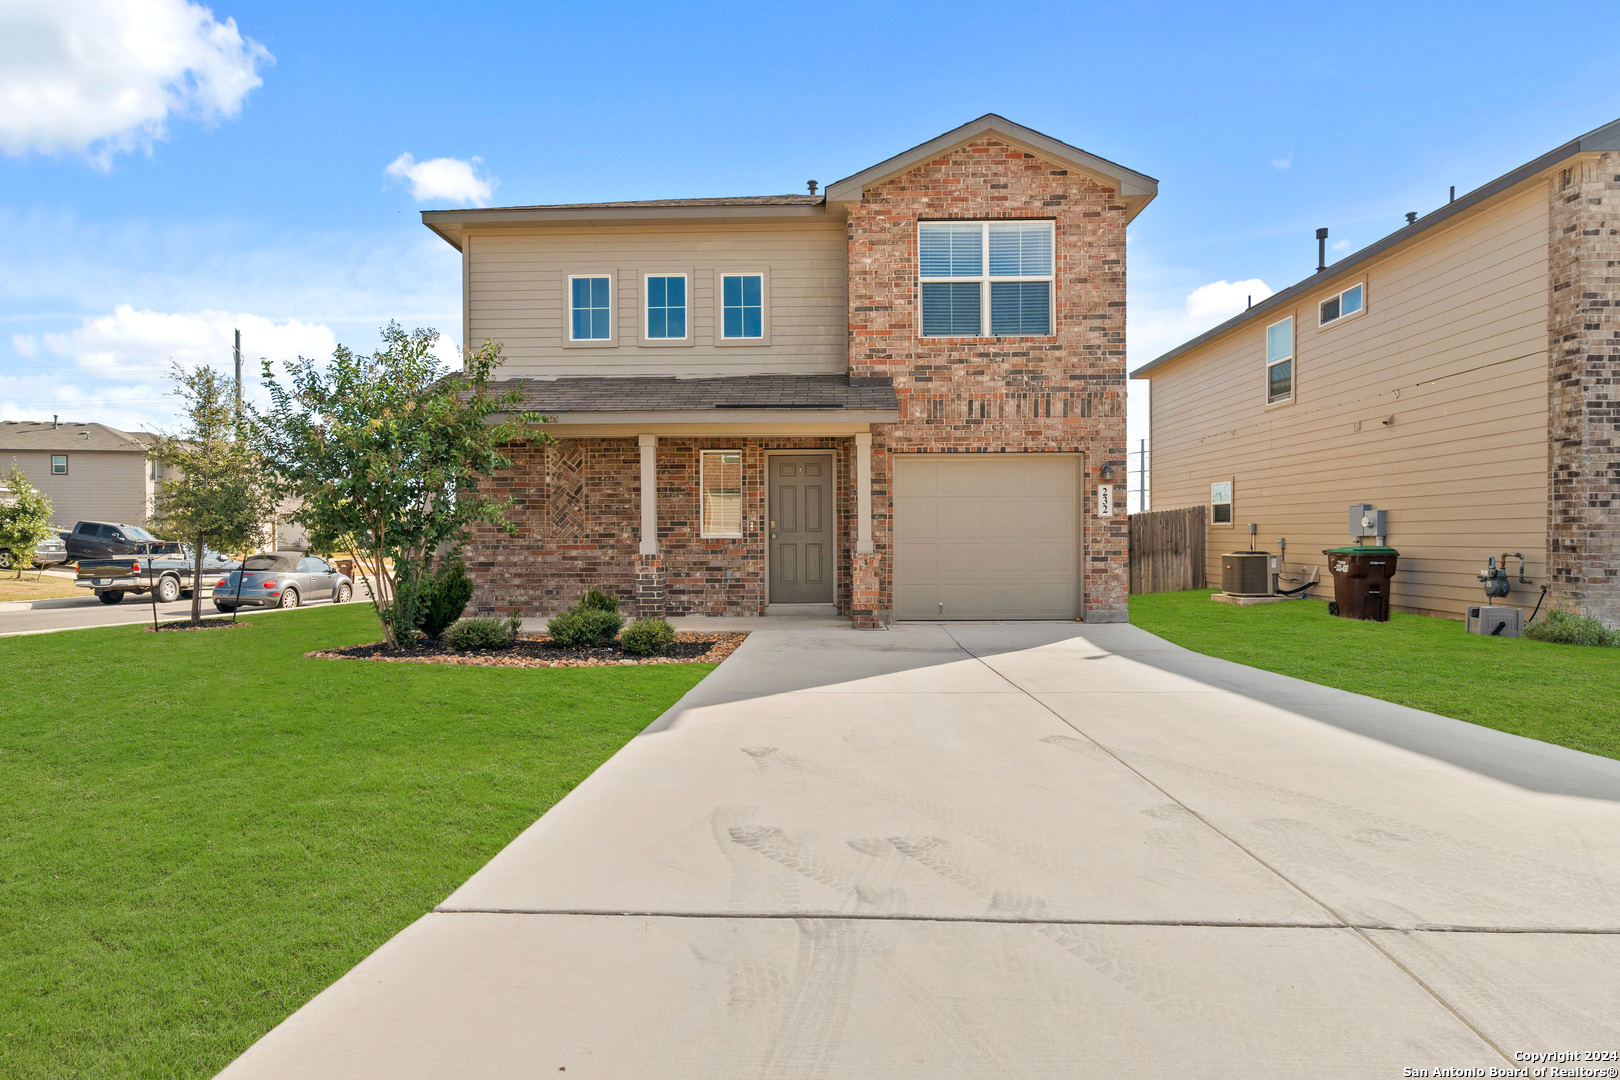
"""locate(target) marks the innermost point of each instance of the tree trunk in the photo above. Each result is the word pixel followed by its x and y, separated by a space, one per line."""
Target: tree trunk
pixel 196 578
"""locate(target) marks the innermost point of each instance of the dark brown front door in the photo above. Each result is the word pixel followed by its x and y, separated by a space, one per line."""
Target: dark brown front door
pixel 801 529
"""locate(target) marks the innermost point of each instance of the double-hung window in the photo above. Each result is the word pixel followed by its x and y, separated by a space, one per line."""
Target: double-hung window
pixel 666 307
pixel 1220 502
pixel 1280 361
pixel 742 306
pixel 722 493
pixel 591 308
pixel 58 464
pixel 1345 304
pixel 963 264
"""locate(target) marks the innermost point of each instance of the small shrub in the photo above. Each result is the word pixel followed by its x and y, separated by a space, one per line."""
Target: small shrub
pixel 597 600
pixel 484 632
pixel 446 598
pixel 1566 629
pixel 647 637
pixel 584 628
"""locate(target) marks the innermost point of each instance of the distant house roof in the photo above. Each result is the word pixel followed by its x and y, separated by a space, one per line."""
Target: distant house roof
pixel 1135 189
pixel 36 436
pixel 787 394
pixel 1600 139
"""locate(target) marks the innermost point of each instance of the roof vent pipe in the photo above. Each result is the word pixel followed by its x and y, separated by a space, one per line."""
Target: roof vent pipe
pixel 1321 250
pixel 1453 194
pixel 1411 217
pixel 812 185
pixel 54 418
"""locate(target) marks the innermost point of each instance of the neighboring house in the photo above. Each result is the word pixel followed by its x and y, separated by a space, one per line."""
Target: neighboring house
pixel 1458 373
pixel 895 399
pixel 90 471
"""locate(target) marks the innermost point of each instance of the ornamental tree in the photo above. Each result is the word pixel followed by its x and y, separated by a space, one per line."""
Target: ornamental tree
pixel 25 518
pixel 218 492
pixel 386 453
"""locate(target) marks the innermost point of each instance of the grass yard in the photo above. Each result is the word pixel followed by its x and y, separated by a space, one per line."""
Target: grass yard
pixel 1564 694
pixel 200 831
pixel 48 586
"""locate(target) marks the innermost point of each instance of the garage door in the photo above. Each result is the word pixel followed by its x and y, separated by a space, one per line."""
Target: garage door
pixel 986 537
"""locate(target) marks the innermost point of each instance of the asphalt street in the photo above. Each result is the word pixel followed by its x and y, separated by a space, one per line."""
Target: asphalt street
pixel 78 612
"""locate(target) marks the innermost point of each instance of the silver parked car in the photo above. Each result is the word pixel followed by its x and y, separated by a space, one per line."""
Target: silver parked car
pixel 281 579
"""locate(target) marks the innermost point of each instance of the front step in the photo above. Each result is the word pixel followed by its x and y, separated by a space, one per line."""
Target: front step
pixel 817 611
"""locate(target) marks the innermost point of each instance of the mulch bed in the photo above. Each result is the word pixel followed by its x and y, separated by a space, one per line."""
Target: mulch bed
pixel 538 650
pixel 206 624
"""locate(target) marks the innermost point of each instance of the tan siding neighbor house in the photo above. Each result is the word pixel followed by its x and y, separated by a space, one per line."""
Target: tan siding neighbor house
pixel 91 472
pixel 1456 374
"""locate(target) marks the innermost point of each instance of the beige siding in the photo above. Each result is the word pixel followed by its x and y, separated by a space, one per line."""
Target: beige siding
pixel 1456 326
pixel 99 486
pixel 515 288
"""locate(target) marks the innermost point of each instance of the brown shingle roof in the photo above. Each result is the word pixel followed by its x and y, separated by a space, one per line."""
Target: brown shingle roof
pixel 29 435
pixel 650 394
pixel 726 200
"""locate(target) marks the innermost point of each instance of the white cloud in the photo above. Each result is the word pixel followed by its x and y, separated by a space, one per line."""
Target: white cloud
pixel 446 178
pixel 25 345
pixel 1283 162
pixel 1339 245
pixel 99 77
pixel 1218 301
pixel 132 343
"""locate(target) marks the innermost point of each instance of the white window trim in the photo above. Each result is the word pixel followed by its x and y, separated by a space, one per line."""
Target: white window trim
pixel 1293 372
pixel 742 509
pixel 568 339
pixel 984 279
pixel 1231 501
pixel 720 275
pixel 691 309
pixel 64 471
pixel 1336 320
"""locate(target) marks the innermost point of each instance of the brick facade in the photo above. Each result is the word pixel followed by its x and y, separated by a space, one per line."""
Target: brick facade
pixel 577 509
pixel 1063 393
pixel 1583 543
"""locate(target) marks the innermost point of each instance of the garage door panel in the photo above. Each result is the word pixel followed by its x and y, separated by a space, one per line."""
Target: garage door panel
pixel 993 537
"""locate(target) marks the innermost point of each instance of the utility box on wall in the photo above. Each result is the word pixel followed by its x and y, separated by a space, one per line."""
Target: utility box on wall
pixel 1365 521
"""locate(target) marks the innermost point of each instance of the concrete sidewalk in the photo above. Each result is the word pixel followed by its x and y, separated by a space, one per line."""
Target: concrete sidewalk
pixel 1012 850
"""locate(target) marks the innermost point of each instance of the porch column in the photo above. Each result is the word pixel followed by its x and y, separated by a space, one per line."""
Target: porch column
pixel 649 494
pixel 863 584
pixel 650 590
pixel 863 493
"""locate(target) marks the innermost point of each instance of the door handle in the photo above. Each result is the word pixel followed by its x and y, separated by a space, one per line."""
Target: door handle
pixel 773 536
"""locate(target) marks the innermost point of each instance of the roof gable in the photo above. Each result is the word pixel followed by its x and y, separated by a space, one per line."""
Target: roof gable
pixel 1135 189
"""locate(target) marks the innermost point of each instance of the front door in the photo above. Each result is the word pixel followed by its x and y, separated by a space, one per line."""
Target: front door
pixel 801 529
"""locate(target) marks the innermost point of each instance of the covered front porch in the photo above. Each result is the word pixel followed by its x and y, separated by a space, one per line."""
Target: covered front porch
pixel 742 508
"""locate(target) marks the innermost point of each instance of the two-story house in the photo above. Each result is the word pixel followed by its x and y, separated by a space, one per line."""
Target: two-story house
pixel 1458 374
pixel 903 397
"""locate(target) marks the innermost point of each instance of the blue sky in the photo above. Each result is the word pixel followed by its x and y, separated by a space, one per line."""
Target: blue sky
pixel 248 184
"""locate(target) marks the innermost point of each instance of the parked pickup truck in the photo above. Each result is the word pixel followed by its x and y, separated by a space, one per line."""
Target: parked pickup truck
pixel 161 568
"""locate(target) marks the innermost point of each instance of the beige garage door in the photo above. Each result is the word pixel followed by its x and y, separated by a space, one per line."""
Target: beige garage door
pixel 986 537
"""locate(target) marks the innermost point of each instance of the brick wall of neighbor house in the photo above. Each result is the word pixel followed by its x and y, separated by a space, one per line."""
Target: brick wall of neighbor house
pixel 1060 393
pixel 1584 332
pixel 577 508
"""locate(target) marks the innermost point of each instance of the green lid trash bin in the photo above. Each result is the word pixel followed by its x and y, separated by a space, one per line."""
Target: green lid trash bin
pixel 1361 581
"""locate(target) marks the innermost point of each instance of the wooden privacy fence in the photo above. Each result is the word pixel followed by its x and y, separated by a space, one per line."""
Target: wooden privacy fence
pixel 1167 550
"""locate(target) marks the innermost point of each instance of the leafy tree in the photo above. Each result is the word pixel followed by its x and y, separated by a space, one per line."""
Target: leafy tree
pixel 218 493
pixel 386 453
pixel 25 517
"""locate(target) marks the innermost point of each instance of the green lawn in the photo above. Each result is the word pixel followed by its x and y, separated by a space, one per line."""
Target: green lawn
pixel 199 831
pixel 1564 694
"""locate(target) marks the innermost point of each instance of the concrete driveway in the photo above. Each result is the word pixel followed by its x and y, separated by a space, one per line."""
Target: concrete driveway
pixel 992 850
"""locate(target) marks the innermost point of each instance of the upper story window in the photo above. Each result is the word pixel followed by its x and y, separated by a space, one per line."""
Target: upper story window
pixel 666 307
pixel 1280 360
pixel 961 263
pixel 1345 304
pixel 58 464
pixel 742 306
pixel 591 300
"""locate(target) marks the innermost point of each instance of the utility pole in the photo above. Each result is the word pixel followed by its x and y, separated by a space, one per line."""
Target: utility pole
pixel 237 353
